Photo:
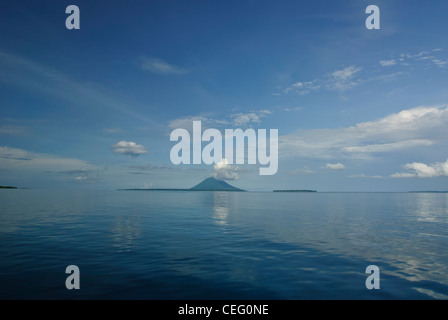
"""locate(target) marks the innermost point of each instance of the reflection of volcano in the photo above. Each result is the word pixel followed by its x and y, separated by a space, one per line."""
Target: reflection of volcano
pixel 220 208
pixel 212 184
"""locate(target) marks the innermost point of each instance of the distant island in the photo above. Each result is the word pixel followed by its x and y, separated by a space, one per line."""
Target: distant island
pixel 209 184
pixel 7 187
pixel 295 191
pixel 427 191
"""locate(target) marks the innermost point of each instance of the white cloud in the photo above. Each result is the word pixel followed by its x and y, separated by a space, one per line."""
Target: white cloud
pixel 159 66
pixel 408 59
pixel 422 170
pixel 243 119
pixel 362 175
pixel 293 109
pixel 303 88
pixel 340 80
pixel 335 166
pixel 440 63
pixel 224 171
pixel 346 73
pixel 302 171
pixel 344 79
pixel 388 147
pixel 402 175
pixel 413 128
pixel 187 122
pixel 236 120
pixel 348 78
pixel 388 63
pixel 129 148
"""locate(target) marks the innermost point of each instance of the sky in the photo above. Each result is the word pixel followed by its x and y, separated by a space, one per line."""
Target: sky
pixel 355 109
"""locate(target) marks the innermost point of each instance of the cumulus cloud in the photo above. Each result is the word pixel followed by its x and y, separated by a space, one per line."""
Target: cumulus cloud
pixel 224 171
pixel 129 148
pixel 159 66
pixel 335 166
pixel 243 119
pixel 422 170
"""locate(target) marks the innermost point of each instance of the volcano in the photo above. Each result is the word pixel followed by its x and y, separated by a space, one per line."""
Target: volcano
pixel 212 184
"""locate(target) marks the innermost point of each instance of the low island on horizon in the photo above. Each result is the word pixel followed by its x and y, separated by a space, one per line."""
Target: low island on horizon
pixel 295 191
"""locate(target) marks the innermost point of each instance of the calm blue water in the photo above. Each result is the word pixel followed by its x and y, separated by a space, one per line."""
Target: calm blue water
pixel 222 245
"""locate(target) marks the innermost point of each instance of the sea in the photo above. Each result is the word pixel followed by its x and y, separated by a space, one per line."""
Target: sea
pixel 163 245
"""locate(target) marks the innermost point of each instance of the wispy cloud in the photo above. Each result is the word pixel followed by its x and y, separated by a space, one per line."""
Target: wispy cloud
pixel 440 63
pixel 40 79
pixel 388 63
pixel 344 79
pixel 288 109
pixel 339 80
pixel 388 147
pixel 407 59
pixel 129 148
pixel 150 167
pixel 362 175
pixel 302 171
pixel 159 66
pixel 81 175
pixel 13 130
pixel 303 88
pixel 113 130
pixel 347 78
pixel 409 129
pixel 31 164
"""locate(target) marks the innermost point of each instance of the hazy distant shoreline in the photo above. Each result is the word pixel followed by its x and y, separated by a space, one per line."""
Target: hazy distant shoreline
pixel 294 191
pixel 180 190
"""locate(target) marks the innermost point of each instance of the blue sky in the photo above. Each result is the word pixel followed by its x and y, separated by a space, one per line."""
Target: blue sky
pixel 356 109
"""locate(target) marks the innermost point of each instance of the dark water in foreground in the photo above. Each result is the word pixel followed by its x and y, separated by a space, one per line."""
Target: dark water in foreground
pixel 218 245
